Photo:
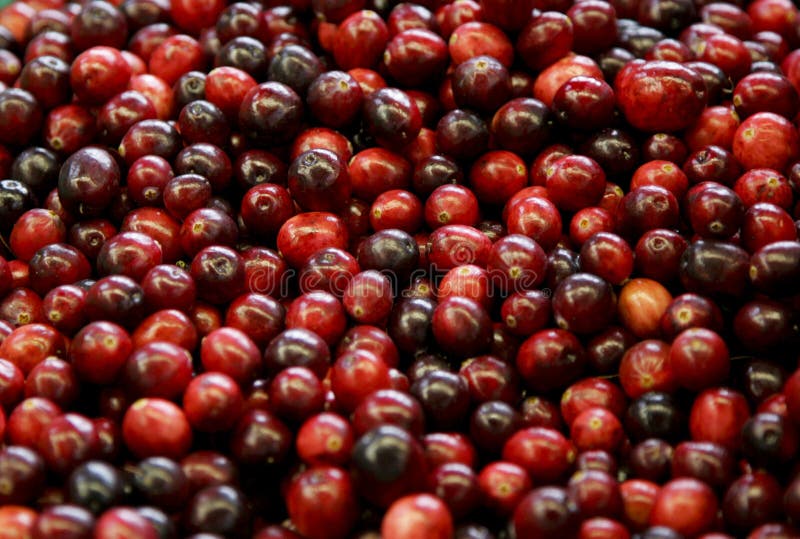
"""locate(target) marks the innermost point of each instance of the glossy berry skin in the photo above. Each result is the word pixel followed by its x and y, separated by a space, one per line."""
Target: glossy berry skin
pixel 545 512
pixel 259 437
pixel 319 180
pixel 392 117
pixel 156 427
pixel 481 83
pixel 194 17
pixel 335 98
pixel 645 367
pixel 270 113
pixel 728 279
pixel 63 521
pixel 406 473
pixel 521 126
pixel 302 235
pixel 124 521
pixel 455 245
pixel 685 505
pixel 583 303
pixel 25 472
pixel 92 197
pixel 98 74
pixel 699 359
pixel 755 144
pixel 641 87
pixel 68 441
pixel 641 306
pixel 331 485
pixel 418 515
pixel 730 411
pixel 368 297
pixel 408 64
pixel 355 375
pixel 584 103
pixel 550 359
pixel 35 229
pixel 372 338
pixel 158 369
pixel 715 211
pixel 25 122
pixel 575 172
pixel 544 453
pixel 450 318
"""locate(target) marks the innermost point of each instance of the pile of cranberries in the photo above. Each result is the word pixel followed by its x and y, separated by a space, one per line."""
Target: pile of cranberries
pixel 332 269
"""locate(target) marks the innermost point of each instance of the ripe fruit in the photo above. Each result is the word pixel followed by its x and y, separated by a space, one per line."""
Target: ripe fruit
pixel 474 268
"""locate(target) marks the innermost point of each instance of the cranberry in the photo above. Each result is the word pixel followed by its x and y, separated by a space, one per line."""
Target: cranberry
pixel 768 438
pixel 158 369
pixel 641 306
pixel 375 482
pixel 584 103
pixel 763 185
pixel 728 278
pixel 596 428
pixel 450 318
pixel 706 461
pixel 219 274
pixel 715 211
pixel 341 508
pixel 154 426
pixel 21 306
pixel 641 86
pixel 749 142
pixel 277 127
pixel 161 482
pixel 545 510
pixel 206 160
pixel 444 397
pixel 391 117
pixel 458 484
pixel 53 379
pixel 415 514
pixel 645 367
pixel 461 134
pixel 150 137
pixel 99 73
pixel 67 441
pixel 523 313
pixel 521 125
pixel 234 212
pixel 685 505
pixel 124 520
pixel 25 472
pixel 729 409
pixel 544 453
pixel 503 485
pixel 230 513
pixel 658 253
pixel 302 235
pixel 18 520
pixel 368 297
pixel 69 521
pixel 554 76
pixel 490 378
pixel 405 61
pixel 296 394
pixel 357 374
pixel 582 303
pixel 25 121
pixel 318 180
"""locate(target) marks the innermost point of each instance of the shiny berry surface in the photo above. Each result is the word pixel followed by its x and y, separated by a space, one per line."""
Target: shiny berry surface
pixel 427 269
